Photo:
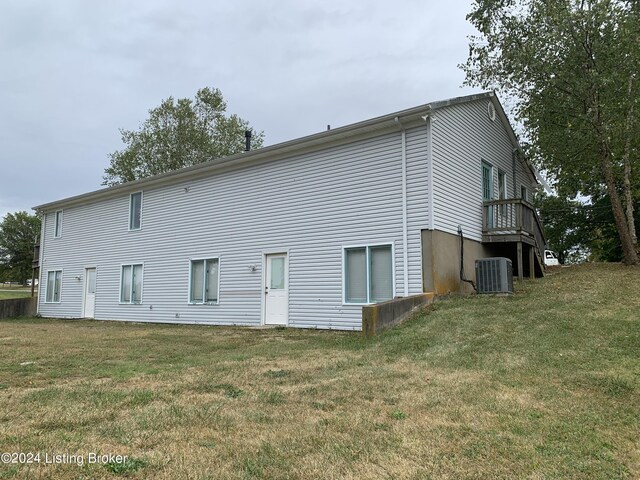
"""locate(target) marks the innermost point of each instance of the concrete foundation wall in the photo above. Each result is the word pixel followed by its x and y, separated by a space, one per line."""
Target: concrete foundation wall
pixel 380 316
pixel 18 307
pixel 441 262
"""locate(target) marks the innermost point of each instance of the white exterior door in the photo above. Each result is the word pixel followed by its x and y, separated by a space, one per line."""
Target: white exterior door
pixel 89 292
pixel 276 290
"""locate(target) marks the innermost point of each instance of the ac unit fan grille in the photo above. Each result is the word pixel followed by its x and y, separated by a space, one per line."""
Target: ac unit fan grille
pixel 494 275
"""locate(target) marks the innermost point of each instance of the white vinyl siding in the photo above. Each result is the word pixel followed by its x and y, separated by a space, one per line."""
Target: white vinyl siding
pixel 310 205
pixel 464 136
pixel 204 281
pixel 368 274
pixel 54 286
pixel 135 211
pixel 131 283
pixel 57 228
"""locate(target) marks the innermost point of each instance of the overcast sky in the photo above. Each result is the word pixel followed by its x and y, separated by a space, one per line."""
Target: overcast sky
pixel 73 72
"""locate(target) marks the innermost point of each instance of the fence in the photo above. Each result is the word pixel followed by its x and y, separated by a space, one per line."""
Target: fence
pixel 18 307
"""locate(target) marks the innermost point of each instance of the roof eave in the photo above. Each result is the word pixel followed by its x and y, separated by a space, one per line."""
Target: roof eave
pixel 314 142
pixel 309 142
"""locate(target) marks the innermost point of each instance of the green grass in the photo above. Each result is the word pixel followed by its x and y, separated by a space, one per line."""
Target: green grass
pixel 15 292
pixel 542 384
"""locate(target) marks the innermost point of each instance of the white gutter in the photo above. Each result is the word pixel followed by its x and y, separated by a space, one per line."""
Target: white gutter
pixel 405 227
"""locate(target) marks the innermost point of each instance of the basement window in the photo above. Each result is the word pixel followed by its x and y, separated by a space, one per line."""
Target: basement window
pixel 54 285
pixel 204 281
pixel 368 274
pixel 131 284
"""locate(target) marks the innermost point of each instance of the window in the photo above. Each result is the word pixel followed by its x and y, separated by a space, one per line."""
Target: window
pixel 487 182
pixel 368 274
pixel 502 185
pixel 524 194
pixel 54 284
pixel 135 211
pixel 203 284
pixel 57 229
pixel 502 190
pixel 131 284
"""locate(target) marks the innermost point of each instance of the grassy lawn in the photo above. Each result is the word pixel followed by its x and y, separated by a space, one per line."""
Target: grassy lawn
pixel 15 292
pixel 544 384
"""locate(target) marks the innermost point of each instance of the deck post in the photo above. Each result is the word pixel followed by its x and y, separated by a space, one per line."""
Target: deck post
pixel 520 272
pixel 532 267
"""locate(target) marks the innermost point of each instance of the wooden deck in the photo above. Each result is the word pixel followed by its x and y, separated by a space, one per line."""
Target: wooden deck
pixel 516 222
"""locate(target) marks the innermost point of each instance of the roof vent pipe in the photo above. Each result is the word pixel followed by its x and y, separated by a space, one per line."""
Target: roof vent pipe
pixel 247 140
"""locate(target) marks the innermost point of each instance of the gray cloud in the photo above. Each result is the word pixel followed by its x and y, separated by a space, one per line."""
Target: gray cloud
pixel 74 72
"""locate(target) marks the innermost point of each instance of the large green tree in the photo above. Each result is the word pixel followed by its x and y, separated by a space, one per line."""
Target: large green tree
pixel 570 68
pixel 564 226
pixel 17 234
pixel 179 133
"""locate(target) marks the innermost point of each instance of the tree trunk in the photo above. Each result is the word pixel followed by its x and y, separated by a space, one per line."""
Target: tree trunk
pixel 628 247
pixel 628 196
pixel 628 199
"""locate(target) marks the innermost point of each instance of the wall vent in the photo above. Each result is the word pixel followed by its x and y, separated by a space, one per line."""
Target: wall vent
pixel 494 275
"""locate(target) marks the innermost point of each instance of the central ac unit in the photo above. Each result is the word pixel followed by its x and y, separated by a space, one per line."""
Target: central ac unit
pixel 494 275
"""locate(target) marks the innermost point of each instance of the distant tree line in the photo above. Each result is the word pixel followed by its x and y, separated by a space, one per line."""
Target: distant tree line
pixel 17 234
pixel 581 232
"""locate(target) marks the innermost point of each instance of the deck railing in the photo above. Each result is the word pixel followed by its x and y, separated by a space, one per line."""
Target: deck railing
pixel 512 216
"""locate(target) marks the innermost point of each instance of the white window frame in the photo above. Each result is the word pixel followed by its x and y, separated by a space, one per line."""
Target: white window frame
pixel 525 190
pixel 490 169
pixel 131 301
pixel 367 246
pixel 46 289
pixel 58 218
pixel 131 216
pixel 204 283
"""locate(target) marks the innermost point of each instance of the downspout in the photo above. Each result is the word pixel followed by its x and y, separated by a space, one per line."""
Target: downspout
pixel 405 234
pixel 429 119
pixel 41 260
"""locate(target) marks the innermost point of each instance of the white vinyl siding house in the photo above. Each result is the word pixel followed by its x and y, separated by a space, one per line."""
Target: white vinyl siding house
pixel 343 209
